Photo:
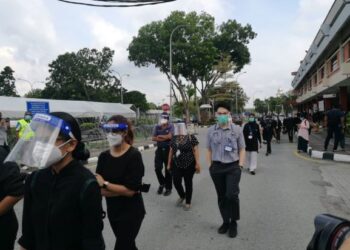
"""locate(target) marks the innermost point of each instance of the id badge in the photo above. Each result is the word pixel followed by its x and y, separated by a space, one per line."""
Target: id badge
pixel 177 153
pixel 228 148
pixel 250 137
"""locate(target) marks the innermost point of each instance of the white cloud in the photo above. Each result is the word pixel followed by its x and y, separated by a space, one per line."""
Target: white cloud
pixel 27 39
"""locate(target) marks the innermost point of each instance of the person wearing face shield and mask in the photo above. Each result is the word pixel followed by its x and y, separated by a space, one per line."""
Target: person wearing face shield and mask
pixel 252 138
pixel 226 157
pixel 119 172
pixel 184 162
pixel 62 201
pixel 162 134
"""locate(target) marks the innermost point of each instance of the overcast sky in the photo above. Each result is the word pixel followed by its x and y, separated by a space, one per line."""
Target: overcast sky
pixel 34 32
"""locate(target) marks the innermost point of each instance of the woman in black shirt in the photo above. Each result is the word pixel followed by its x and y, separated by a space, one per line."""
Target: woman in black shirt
pixel 62 201
pixel 184 162
pixel 119 173
pixel 11 191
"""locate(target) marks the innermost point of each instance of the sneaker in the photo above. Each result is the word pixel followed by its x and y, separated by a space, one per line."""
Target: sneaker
pixel 223 228
pixel 232 232
pixel 160 189
pixel 252 172
pixel 167 192
pixel 187 207
pixel 179 202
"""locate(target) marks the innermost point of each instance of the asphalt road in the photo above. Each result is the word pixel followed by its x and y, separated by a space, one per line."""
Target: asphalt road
pixel 278 205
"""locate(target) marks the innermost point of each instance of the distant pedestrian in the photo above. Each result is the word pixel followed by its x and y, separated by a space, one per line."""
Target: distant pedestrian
pixel 4 129
pixel 183 162
pixel 162 134
pixel 278 129
pixel 252 139
pixel 226 156
pixel 288 127
pixel 269 130
pixel 334 121
pixel 303 134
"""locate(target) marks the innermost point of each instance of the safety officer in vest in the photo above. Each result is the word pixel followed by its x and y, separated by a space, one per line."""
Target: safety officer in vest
pixel 226 156
pixel 162 134
pixel 23 124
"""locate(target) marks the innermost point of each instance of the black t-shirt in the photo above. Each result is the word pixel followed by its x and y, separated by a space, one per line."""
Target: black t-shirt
pixel 183 150
pixel 334 117
pixel 252 136
pixel 126 170
pixel 62 211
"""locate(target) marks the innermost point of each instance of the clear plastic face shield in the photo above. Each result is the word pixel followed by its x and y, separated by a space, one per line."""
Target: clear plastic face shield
pixel 40 143
pixel 180 129
pixel 115 133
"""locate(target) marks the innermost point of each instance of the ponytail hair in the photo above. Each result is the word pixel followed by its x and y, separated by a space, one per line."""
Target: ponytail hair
pixel 129 137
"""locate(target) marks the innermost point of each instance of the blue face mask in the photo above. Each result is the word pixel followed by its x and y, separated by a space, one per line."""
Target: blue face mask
pixel 222 119
pixel 27 117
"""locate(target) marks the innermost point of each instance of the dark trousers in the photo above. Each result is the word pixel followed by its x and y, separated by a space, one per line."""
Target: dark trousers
pixel 8 230
pixel 226 178
pixel 337 136
pixel 278 134
pixel 268 145
pixel 302 144
pixel 187 175
pixel 126 232
pixel 290 134
pixel 160 162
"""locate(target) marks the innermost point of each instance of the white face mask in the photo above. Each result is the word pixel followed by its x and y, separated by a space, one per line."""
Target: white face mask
pixel 114 140
pixel 45 154
pixel 163 121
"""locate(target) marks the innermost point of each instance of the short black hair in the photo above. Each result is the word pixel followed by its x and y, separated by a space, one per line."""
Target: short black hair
pixel 222 105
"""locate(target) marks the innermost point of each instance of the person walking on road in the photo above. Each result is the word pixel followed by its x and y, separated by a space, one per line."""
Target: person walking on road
pixel 4 129
pixel 23 124
pixel 119 173
pixel 62 206
pixel 303 134
pixel 334 121
pixel 252 139
pixel 183 162
pixel 162 134
pixel 278 129
pixel 269 130
pixel 226 156
pixel 288 126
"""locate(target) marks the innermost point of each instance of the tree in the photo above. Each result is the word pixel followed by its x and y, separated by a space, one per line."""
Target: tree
pixel 34 93
pixel 84 75
pixel 227 92
pixel 136 98
pixel 197 48
pixel 260 106
pixel 152 105
pixel 7 82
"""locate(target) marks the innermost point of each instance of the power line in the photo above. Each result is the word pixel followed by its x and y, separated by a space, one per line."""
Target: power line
pixel 115 3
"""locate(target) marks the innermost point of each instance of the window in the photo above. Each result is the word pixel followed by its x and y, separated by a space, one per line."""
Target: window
pixel 314 80
pixel 346 50
pixel 321 73
pixel 309 85
pixel 333 63
pixel 305 88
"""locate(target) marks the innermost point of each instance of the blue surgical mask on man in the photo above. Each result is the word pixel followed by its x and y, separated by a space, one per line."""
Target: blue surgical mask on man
pixel 251 119
pixel 222 119
pixel 27 117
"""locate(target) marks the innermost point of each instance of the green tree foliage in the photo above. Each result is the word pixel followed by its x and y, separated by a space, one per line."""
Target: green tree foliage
pixel 7 82
pixel 84 75
pixel 35 93
pixel 152 105
pixel 198 46
pixel 227 92
pixel 136 98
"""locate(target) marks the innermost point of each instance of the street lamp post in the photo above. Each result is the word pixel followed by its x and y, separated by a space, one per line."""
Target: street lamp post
pixel 121 84
pixel 171 66
pixel 30 83
pixel 237 89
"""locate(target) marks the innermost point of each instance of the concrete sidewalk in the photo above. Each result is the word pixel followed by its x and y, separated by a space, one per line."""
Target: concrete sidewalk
pixel 316 147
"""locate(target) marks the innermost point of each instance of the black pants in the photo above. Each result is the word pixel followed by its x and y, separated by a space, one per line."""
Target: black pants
pixel 226 178
pixel 8 230
pixel 291 134
pixel 302 144
pixel 278 134
pixel 187 175
pixel 337 136
pixel 268 145
pixel 126 232
pixel 160 162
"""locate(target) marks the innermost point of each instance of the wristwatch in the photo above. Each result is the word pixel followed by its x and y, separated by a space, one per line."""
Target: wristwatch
pixel 105 184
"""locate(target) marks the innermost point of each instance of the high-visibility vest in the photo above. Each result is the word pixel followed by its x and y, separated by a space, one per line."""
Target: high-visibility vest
pixel 24 125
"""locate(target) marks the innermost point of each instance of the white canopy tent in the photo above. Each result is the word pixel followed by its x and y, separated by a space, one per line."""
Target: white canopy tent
pixel 14 107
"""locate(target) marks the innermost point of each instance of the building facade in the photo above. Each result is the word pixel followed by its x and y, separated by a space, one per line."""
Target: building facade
pixel 323 78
